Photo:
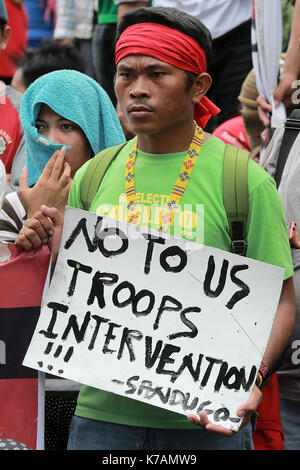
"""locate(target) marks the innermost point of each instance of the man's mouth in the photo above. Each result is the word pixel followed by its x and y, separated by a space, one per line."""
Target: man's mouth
pixel 139 110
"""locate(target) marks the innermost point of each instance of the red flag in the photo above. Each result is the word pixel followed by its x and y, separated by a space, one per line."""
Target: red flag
pixel 22 280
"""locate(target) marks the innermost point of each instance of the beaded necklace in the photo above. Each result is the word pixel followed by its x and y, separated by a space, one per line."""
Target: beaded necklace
pixel 173 200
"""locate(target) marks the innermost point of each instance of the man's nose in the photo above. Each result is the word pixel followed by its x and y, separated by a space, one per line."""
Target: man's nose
pixel 140 88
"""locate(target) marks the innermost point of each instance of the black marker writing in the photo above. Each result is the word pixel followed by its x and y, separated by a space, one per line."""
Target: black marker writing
pixel 91 245
pixel 112 231
pixel 241 293
pixel 171 252
pixel 77 267
pixel 97 290
pixel 209 275
pixel 56 307
pixel 151 239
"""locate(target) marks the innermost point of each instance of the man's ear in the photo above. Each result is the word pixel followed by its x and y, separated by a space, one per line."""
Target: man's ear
pixel 4 38
pixel 202 84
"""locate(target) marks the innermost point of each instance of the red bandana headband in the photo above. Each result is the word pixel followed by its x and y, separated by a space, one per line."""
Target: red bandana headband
pixel 170 46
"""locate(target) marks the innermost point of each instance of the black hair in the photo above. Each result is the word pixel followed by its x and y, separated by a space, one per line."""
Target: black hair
pixel 48 58
pixel 2 26
pixel 173 18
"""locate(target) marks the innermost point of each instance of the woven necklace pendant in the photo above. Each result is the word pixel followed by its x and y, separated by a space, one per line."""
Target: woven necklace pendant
pixel 166 218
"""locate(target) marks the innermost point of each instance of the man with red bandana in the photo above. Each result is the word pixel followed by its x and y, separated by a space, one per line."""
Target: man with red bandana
pixel 161 82
pixel 229 22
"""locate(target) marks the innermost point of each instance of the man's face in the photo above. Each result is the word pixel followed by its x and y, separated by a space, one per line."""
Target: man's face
pixel 4 37
pixel 153 95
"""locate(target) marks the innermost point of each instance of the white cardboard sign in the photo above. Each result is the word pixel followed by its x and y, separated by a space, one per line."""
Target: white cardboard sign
pixel 172 323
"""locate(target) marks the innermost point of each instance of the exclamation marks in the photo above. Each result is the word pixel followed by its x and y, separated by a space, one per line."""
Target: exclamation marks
pixel 56 354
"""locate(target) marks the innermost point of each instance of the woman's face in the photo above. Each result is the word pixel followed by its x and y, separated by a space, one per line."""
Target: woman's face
pixel 62 131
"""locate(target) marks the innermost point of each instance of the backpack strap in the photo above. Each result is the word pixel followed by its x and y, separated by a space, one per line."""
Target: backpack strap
pixel 94 173
pixel 235 196
pixel 291 130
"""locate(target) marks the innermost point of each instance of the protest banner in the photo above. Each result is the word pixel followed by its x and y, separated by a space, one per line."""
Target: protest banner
pixel 161 320
pixel 22 279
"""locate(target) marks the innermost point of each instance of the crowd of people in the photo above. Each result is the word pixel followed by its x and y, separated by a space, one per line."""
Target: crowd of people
pixel 162 78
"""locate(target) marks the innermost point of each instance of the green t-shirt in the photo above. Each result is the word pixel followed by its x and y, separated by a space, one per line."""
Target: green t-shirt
pixel 201 218
pixel 107 11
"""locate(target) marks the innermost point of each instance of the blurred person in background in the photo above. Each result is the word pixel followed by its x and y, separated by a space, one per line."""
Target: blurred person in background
pixel 11 138
pixel 18 23
pixel 41 21
pixel 47 58
pixel 75 22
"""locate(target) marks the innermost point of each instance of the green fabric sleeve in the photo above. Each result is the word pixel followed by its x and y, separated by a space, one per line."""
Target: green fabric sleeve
pixel 74 199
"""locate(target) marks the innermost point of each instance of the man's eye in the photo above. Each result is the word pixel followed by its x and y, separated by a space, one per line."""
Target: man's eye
pixel 125 75
pixel 156 74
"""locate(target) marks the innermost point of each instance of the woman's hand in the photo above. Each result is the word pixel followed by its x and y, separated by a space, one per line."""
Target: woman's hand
pixel 51 189
pixel 244 411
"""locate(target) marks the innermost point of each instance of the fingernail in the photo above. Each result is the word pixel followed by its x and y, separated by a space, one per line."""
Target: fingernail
pixel 50 232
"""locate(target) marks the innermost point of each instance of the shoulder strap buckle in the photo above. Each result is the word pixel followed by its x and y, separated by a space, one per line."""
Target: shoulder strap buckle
pixel 239 247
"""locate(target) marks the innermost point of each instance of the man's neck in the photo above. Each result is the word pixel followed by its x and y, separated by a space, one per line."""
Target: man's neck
pixel 159 144
pixel 173 139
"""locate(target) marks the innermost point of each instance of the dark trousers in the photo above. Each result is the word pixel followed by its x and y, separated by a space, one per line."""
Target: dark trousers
pixel 85 47
pixel 231 62
pixel 104 57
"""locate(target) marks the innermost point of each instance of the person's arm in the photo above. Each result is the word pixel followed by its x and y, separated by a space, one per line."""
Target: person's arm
pixel 17 167
pixel 295 242
pixel 290 73
pixel 291 67
pixel 125 7
pixel 280 334
pixel 12 216
pixel 283 323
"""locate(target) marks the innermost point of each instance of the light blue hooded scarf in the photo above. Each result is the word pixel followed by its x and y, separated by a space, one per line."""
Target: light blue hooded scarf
pixel 76 97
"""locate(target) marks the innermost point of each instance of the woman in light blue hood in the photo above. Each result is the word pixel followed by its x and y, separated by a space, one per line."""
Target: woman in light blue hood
pixel 65 111
pixel 77 98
